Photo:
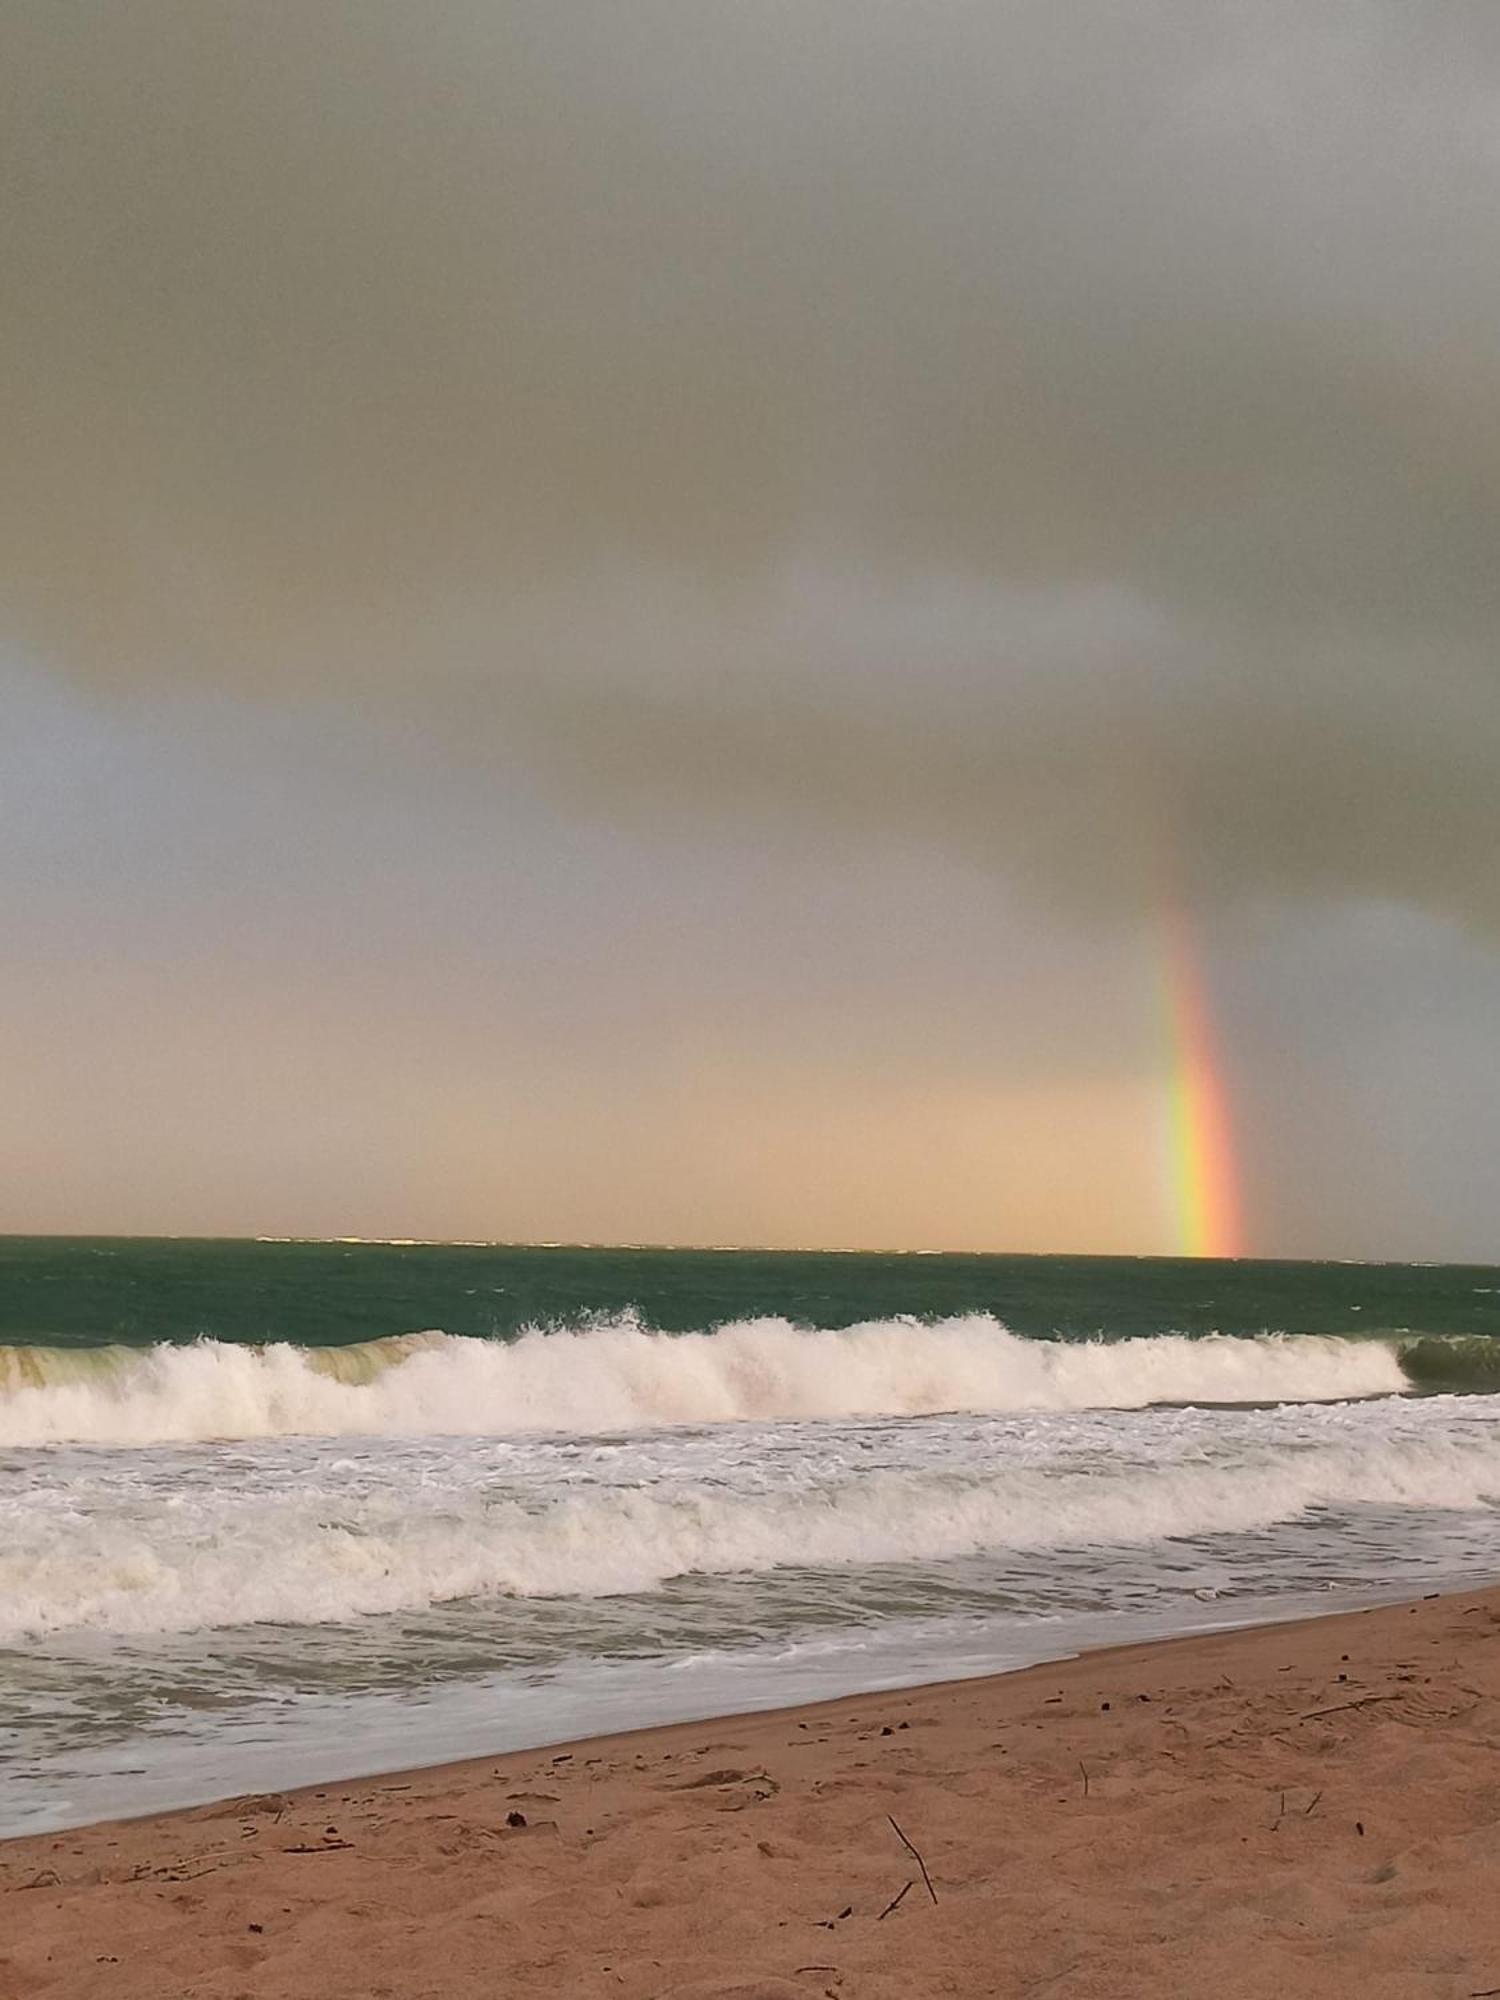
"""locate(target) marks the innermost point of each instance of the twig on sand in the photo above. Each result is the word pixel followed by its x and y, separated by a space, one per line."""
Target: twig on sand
pixel 1051 1978
pixel 916 1857
pixel 1305 1812
pixel 1364 1701
pixel 891 1905
pixel 1085 1770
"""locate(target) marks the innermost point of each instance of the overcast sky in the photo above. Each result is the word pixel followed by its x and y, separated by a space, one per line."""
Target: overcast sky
pixel 628 621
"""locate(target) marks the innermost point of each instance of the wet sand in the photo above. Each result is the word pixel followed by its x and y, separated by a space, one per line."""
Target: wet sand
pixel 1297 1810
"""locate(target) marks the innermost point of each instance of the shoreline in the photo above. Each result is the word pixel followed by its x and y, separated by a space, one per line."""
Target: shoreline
pixel 1274 1809
pixel 496 1717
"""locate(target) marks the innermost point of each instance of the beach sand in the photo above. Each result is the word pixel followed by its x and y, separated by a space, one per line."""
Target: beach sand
pixel 1296 1810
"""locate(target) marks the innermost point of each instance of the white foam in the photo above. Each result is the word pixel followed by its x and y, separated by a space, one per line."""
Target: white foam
pixel 622 1376
pixel 299 1535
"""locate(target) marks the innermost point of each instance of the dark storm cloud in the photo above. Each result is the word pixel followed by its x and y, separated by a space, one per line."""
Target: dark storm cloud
pixel 1066 432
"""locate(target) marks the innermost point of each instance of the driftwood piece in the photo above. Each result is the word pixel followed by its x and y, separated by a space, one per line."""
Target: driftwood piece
pixel 912 1851
pixel 895 1901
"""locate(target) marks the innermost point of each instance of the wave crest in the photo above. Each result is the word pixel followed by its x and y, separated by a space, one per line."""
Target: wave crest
pixel 622 1376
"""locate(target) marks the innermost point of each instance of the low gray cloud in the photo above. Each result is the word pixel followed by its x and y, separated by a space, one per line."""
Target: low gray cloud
pixel 1067 433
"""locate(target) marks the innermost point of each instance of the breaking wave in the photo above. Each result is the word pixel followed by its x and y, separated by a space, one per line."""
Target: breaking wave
pixel 313 1547
pixel 621 1376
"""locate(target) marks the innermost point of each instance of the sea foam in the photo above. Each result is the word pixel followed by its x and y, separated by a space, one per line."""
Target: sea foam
pixel 621 1376
pixel 302 1534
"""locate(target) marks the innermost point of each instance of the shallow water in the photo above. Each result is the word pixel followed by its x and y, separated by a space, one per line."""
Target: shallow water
pixel 180 1621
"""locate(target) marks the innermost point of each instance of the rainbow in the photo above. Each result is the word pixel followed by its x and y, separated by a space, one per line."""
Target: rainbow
pixel 1203 1174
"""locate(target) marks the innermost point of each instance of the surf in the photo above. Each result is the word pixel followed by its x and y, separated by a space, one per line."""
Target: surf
pixel 619 1375
pixel 316 1533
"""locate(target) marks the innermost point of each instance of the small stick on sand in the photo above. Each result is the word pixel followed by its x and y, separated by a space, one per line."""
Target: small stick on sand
pixel 1365 1701
pixel 893 1902
pixel 916 1857
pixel 1084 1769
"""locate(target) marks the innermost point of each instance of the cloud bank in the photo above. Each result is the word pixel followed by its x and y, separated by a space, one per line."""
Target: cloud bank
pixel 1063 433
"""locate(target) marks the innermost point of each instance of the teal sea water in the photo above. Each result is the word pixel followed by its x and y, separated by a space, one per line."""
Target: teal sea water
pixel 286 1510
pixel 85 1292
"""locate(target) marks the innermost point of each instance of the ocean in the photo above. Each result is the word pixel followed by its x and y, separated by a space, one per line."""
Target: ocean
pixel 275 1512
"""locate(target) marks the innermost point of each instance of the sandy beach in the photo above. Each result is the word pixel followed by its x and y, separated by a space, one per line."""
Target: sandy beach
pixel 1308 1809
